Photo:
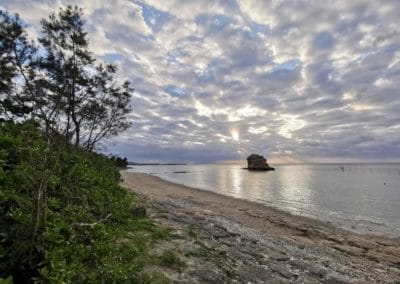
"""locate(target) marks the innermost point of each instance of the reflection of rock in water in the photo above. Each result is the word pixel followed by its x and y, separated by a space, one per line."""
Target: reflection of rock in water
pixel 258 163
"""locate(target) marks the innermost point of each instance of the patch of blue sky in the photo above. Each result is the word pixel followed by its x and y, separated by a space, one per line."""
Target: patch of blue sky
pixel 289 65
pixel 153 17
pixel 324 40
pixel 286 71
pixel 204 95
pixel 257 29
pixel 174 55
pixel 112 57
pixel 174 91
pixel 204 76
pixel 384 49
pixel 216 22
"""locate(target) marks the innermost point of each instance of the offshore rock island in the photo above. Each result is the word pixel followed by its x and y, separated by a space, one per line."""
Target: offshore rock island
pixel 258 163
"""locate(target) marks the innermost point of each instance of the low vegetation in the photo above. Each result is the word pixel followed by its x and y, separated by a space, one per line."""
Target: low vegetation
pixel 119 161
pixel 171 260
pixel 63 215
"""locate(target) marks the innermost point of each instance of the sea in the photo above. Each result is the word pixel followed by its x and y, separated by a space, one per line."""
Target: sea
pixel 364 198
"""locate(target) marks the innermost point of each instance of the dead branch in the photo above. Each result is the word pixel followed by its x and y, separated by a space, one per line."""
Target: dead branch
pixel 91 225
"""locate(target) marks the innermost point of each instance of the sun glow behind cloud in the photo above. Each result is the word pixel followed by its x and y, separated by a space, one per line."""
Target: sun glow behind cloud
pixel 258 130
pixel 290 124
pixel 235 134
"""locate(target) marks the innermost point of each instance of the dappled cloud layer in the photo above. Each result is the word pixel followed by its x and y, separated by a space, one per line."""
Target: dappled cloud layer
pixel 217 80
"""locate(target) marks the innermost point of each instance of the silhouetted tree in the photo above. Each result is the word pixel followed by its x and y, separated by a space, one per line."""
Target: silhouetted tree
pixel 119 161
pixel 15 60
pixel 62 86
pixel 84 94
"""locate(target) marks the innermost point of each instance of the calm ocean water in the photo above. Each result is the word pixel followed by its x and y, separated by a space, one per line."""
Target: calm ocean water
pixel 364 198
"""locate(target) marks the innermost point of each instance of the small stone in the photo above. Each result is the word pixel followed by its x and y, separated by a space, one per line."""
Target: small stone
pixel 336 279
pixel 281 269
pixel 349 249
pixel 138 211
pixel 281 258
pixel 231 242
pixel 254 274
pixel 220 234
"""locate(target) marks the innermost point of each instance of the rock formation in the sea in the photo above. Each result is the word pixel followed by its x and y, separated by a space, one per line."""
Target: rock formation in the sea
pixel 258 163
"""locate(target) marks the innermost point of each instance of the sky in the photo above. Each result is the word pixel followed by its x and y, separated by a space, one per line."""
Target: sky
pixel 295 81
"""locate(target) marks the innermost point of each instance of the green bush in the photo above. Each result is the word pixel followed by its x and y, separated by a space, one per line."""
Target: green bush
pixel 171 260
pixel 63 216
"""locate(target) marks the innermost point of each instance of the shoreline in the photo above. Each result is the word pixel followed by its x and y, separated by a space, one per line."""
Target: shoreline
pixel 356 226
pixel 309 240
pixel 189 192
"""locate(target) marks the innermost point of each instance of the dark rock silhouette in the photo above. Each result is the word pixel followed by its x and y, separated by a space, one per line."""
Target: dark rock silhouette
pixel 258 163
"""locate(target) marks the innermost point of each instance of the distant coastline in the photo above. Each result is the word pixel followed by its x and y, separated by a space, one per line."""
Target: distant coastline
pixel 156 164
pixel 277 164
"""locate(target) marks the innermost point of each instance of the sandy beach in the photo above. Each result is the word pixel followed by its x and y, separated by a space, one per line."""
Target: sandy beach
pixel 260 244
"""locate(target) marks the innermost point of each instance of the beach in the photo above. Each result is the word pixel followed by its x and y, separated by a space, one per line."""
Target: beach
pixel 260 243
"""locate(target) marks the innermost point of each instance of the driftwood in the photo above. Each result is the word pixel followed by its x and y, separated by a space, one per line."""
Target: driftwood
pixel 91 225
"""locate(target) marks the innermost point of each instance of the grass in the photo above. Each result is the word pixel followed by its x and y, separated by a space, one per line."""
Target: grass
pixel 192 232
pixel 153 278
pixel 170 259
pixel 214 255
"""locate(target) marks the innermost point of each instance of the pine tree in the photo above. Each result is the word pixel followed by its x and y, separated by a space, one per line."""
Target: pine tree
pixel 87 104
pixel 63 87
pixel 15 60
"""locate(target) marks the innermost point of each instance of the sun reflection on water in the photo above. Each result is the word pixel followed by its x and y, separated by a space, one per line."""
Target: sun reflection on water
pixel 296 188
pixel 236 180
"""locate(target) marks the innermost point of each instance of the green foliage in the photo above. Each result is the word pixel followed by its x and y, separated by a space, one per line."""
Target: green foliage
pixel 119 161
pixel 63 216
pixel 15 54
pixel 154 278
pixel 9 32
pixel 8 280
pixel 171 260
pixel 192 232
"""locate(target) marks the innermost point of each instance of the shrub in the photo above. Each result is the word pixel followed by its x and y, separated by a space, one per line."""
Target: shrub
pixel 63 215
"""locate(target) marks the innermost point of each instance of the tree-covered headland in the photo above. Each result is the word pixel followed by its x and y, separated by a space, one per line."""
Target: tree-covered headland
pixel 64 217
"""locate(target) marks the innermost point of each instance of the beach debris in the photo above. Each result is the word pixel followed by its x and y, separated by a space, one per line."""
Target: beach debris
pixel 258 163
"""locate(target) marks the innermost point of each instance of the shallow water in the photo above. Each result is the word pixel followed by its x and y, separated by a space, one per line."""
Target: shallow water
pixel 363 198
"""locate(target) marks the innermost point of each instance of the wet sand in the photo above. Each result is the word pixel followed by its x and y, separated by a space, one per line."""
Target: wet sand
pixel 282 246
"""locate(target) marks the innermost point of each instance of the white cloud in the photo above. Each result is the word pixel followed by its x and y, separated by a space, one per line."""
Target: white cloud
pixel 302 72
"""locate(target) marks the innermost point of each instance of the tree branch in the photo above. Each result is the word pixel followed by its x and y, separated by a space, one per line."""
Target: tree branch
pixel 95 223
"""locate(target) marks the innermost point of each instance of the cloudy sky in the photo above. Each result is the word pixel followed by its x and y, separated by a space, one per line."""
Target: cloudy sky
pixel 294 80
